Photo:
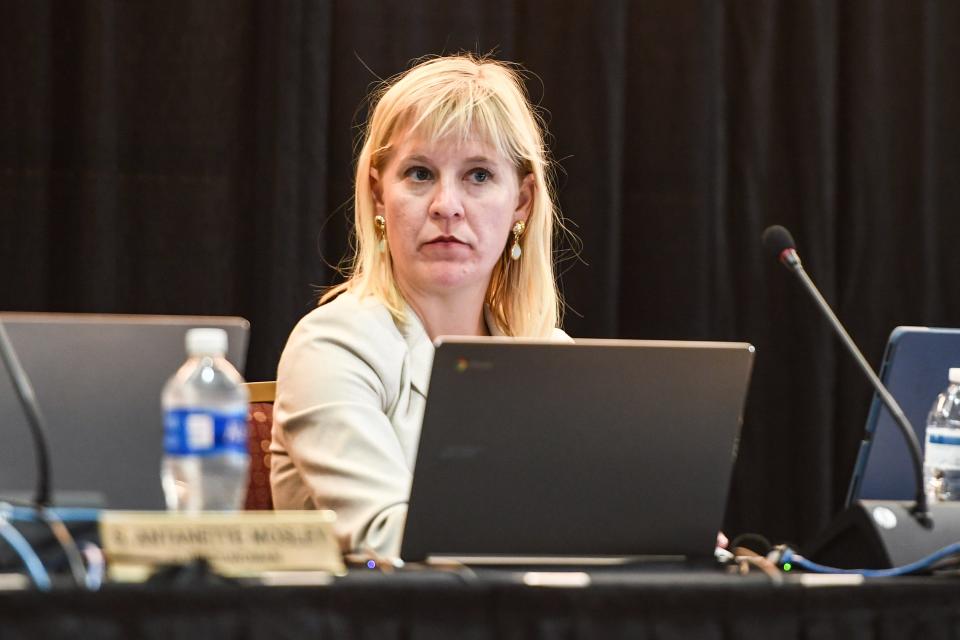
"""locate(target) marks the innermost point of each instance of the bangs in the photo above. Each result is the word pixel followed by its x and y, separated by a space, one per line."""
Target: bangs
pixel 459 111
pixel 462 115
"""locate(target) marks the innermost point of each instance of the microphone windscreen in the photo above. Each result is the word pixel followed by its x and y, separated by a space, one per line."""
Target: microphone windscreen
pixel 777 239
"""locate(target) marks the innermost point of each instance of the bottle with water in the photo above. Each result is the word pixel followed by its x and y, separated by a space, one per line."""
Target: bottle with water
pixel 205 458
pixel 941 460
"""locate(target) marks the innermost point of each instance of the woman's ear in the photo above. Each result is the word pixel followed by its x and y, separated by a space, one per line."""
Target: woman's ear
pixel 376 189
pixel 528 187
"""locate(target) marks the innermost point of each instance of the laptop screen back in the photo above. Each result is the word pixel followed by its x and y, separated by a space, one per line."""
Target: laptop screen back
pixel 97 380
pixel 914 369
pixel 600 448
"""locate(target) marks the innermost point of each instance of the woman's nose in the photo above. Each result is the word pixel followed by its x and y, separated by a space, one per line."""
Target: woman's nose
pixel 446 202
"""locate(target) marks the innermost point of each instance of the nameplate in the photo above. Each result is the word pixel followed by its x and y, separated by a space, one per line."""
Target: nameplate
pixel 236 544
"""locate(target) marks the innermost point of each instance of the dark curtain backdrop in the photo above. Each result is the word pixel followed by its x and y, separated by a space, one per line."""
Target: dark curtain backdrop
pixel 195 157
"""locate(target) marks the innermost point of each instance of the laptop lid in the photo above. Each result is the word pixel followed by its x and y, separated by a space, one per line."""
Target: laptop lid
pixel 914 369
pixel 601 448
pixel 98 380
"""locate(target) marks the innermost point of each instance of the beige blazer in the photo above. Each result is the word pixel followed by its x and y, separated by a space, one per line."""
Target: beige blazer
pixel 351 390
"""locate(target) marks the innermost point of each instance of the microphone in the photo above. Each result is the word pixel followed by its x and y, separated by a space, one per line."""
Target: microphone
pixel 874 533
pixel 779 242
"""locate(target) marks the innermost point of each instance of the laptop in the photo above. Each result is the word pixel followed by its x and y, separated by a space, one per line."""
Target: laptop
pixel 914 369
pixel 538 452
pixel 97 380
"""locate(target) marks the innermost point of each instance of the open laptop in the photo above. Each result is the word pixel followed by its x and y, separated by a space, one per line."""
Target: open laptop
pixel 98 380
pixel 914 369
pixel 538 452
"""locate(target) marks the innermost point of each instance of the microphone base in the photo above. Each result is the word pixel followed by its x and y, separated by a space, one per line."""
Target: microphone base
pixel 881 534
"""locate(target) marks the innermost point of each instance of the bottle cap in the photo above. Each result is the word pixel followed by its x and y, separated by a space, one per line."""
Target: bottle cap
pixel 954 375
pixel 210 342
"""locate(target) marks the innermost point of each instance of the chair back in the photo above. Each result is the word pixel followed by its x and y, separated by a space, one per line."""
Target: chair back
pixel 259 426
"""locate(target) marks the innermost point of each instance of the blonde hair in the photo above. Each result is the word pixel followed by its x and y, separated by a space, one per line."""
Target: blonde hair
pixel 462 96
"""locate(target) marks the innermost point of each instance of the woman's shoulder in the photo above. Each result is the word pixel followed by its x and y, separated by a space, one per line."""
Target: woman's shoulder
pixel 359 327
pixel 351 311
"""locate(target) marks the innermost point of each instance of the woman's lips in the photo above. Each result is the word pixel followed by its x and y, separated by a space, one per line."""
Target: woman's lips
pixel 445 241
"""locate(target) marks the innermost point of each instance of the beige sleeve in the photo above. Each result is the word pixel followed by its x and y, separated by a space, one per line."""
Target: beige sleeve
pixel 333 389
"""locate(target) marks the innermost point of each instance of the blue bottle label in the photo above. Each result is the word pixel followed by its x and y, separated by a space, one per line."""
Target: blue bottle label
pixel 203 433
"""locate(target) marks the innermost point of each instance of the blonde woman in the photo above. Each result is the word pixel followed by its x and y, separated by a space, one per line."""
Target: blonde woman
pixel 454 220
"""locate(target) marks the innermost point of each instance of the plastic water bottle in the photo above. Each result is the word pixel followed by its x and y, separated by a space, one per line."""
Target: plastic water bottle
pixel 941 460
pixel 205 458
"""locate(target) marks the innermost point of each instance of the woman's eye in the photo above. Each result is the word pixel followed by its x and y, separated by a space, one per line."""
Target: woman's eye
pixel 419 173
pixel 480 175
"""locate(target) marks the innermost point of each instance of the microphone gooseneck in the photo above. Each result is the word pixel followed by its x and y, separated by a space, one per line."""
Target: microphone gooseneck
pixel 24 390
pixel 780 243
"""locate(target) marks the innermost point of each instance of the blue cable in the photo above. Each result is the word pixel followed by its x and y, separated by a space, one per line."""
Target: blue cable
pixel 65 514
pixel 29 557
pixel 923 563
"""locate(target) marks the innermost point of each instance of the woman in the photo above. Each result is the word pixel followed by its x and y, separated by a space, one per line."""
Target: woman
pixel 454 221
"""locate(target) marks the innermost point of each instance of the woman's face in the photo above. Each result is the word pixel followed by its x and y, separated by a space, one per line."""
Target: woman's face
pixel 450 206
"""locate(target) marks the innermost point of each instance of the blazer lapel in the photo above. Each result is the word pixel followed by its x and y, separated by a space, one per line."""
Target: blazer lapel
pixel 420 350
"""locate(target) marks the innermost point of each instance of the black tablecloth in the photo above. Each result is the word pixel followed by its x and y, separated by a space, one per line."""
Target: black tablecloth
pixel 660 604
